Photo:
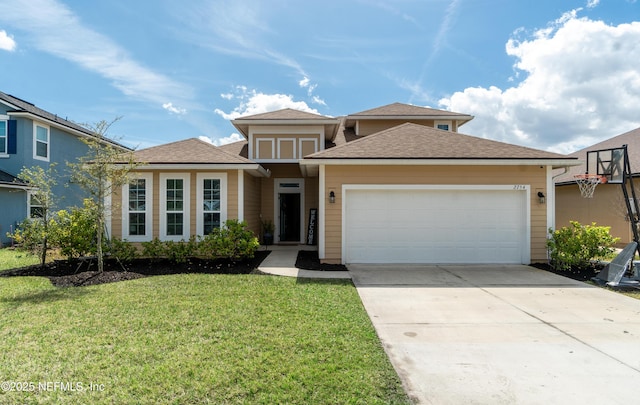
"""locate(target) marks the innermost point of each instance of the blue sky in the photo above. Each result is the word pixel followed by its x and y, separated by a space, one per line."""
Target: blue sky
pixel 550 74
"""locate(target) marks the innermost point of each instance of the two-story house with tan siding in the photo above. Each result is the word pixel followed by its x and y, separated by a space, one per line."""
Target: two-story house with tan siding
pixel 394 184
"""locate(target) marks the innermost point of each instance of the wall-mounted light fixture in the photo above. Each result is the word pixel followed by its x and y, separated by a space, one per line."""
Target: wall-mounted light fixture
pixel 541 197
pixel 332 197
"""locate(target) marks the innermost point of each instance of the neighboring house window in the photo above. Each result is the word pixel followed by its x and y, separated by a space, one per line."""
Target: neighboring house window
pixel 443 125
pixel 4 137
pixel 136 209
pixel 174 200
pixel 41 142
pixel 35 207
pixel 211 197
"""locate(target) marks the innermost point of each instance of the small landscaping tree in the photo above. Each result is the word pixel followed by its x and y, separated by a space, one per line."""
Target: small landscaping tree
pixel 575 246
pixel 35 232
pixel 102 170
pixel 75 230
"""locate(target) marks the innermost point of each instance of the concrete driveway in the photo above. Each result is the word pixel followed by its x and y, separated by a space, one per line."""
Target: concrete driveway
pixel 503 335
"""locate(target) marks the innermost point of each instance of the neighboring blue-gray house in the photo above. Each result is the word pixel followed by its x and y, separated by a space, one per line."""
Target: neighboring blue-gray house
pixel 30 136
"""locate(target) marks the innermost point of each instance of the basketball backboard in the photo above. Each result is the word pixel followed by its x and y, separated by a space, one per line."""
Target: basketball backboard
pixel 607 162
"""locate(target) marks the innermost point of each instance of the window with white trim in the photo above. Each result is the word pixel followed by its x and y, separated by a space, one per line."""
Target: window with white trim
pixel 41 142
pixel 137 223
pixel 443 125
pixel 4 136
pixel 174 206
pixel 35 207
pixel 211 197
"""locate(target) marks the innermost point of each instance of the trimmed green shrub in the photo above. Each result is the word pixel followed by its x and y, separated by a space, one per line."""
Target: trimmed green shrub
pixel 576 245
pixel 231 241
pixel 180 252
pixel 123 249
pixel 153 249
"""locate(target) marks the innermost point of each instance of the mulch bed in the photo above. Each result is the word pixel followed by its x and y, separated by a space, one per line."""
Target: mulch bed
pixel 76 273
pixel 308 260
pixel 580 274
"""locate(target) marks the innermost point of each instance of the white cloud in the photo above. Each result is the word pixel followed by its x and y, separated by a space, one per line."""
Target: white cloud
pixel 580 84
pixel 206 139
pixel 592 3
pixel 6 42
pixel 175 110
pixel 253 102
pixel 318 100
pixel 235 137
pixel 304 82
pixel 52 27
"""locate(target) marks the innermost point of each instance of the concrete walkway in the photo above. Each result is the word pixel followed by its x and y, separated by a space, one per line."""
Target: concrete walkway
pixel 503 335
pixel 282 262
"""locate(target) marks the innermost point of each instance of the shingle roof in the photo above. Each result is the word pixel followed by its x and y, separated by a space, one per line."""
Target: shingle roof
pixel 285 114
pixel 6 178
pixel 406 110
pixel 25 106
pixel 413 141
pixel 188 151
pixel 240 148
pixel 631 139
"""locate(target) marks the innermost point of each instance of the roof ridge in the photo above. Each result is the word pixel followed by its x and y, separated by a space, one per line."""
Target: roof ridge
pixel 415 141
pixel 24 106
pixel 364 137
pixel 382 110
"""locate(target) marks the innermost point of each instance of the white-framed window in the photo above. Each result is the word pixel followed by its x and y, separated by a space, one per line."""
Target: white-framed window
pixel 211 205
pixel 443 125
pixel 4 136
pixel 34 206
pixel 174 206
pixel 41 142
pixel 137 208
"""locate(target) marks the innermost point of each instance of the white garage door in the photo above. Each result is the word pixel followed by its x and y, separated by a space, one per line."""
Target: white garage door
pixel 436 226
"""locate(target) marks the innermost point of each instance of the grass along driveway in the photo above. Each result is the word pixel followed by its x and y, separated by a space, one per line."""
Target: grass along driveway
pixel 192 338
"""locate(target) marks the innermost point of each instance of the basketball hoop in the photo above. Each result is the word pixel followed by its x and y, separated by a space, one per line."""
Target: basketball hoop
pixel 588 183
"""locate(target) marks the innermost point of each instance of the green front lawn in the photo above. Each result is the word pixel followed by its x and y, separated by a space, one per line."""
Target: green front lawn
pixel 191 339
pixel 12 259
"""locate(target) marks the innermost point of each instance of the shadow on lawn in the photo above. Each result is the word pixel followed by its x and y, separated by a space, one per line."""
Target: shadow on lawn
pixel 41 297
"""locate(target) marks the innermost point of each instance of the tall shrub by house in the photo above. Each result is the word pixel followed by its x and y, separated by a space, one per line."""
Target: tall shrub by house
pixel 576 245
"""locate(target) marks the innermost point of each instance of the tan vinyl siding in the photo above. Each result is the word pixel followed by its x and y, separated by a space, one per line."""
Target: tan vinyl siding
pixel 308 146
pixel 252 207
pixel 286 148
pixel 116 213
pixel 336 176
pixel 372 126
pixel 606 208
pixel 265 148
pixel 310 200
